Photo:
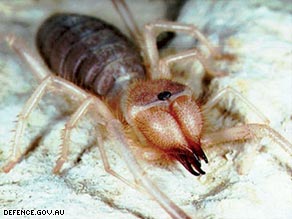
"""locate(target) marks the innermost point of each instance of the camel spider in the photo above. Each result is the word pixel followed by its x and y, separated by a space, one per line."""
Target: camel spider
pixel 167 113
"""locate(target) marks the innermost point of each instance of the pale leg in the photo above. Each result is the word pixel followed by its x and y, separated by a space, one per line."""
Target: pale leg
pixel 36 65
pixel 152 30
pixel 249 157
pixel 164 64
pixel 74 119
pixel 22 119
pixel 108 168
pixel 229 90
pixel 50 82
pixel 246 132
pixel 46 81
pixel 67 132
pixel 128 19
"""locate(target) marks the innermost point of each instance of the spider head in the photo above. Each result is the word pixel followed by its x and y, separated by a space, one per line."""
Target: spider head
pixel 165 116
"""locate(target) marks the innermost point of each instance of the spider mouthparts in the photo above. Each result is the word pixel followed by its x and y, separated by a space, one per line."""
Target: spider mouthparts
pixel 193 164
pixel 196 163
pixel 199 153
pixel 204 157
pixel 191 160
pixel 189 167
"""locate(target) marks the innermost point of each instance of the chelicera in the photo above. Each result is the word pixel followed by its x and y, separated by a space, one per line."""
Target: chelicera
pixel 86 53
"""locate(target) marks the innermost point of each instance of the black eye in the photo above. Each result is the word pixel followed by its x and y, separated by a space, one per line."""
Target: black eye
pixel 164 95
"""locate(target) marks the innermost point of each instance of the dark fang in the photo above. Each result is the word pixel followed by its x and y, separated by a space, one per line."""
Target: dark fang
pixel 165 95
pixel 196 163
pixel 191 161
pixel 189 167
pixel 203 155
pixel 199 154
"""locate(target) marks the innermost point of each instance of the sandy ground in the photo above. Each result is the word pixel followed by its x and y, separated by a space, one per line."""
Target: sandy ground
pixel 257 33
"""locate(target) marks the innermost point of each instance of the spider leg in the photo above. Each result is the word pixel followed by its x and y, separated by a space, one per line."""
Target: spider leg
pixel 74 119
pixel 46 80
pixel 36 65
pixel 240 133
pixel 22 118
pixel 53 83
pixel 108 168
pixel 152 30
pixel 229 90
pixel 82 109
pixel 128 19
pixel 247 132
pixel 194 54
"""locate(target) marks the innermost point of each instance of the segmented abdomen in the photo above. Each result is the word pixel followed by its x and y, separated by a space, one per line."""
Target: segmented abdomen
pixel 88 52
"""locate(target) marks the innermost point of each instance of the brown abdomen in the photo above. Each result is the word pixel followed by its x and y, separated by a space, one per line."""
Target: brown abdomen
pixel 88 52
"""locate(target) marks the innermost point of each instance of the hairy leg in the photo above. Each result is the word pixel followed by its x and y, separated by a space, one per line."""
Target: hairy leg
pixel 164 63
pixel 30 105
pixel 244 132
pixel 128 19
pixel 152 30
pixel 247 132
pixel 230 91
pixel 36 65
pixel 74 119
